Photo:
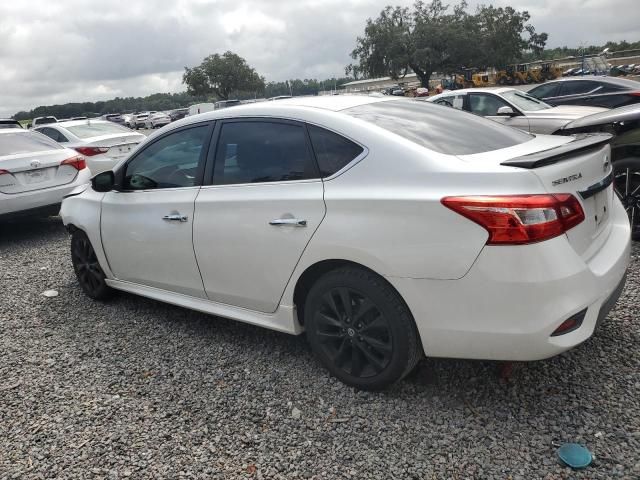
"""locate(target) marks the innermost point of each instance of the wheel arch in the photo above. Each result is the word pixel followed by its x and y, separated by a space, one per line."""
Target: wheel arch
pixel 315 271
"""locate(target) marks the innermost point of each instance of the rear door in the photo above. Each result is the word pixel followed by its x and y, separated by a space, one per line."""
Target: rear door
pixel 255 220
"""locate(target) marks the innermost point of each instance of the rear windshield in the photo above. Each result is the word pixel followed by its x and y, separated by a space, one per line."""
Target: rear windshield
pixel 25 142
pixel 439 128
pixel 97 129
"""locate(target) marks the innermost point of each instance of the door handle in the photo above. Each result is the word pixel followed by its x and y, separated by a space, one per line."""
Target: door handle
pixel 294 222
pixel 175 217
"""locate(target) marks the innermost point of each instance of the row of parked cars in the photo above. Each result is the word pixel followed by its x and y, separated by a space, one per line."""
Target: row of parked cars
pixel 385 228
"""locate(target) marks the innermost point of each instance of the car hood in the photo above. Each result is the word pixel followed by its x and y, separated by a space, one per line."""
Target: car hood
pixel 622 114
pixel 567 112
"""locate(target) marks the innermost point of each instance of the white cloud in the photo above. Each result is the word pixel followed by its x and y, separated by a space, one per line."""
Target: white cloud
pixel 74 50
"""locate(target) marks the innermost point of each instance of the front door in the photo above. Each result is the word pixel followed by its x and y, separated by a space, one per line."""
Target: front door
pixel 253 224
pixel 147 224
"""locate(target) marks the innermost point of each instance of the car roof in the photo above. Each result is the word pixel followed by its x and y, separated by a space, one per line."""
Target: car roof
pixel 627 82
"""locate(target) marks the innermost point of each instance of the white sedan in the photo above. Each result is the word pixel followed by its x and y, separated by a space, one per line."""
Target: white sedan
pixel 385 228
pixel 513 107
pixel 36 173
pixel 101 142
pixel 157 120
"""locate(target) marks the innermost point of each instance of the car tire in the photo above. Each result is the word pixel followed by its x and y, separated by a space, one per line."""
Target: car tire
pixel 626 174
pixel 87 268
pixel 360 329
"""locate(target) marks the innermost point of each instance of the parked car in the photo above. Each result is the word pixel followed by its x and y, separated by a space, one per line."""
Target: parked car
pixel 114 117
pixel 102 143
pixel 42 121
pixel 512 107
pixel 356 220
pixel 201 108
pixel 157 120
pixel 178 114
pixel 226 104
pixel 36 173
pixel 9 123
pixel 140 119
pixel 624 124
pixel 607 92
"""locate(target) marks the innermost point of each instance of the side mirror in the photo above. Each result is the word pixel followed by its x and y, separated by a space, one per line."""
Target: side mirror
pixel 29 125
pixel 506 112
pixel 103 182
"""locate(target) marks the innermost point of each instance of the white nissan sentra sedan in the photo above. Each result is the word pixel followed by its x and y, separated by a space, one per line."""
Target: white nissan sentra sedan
pixel 386 229
pixel 36 173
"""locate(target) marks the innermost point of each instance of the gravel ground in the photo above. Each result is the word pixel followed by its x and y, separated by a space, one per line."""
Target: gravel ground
pixel 135 388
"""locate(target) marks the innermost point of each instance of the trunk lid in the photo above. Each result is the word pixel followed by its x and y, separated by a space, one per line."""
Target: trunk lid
pixel 26 172
pixel 579 165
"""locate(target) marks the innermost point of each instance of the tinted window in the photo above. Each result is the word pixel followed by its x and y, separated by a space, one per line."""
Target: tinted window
pixel 545 91
pixel 170 162
pixel 441 129
pixel 484 104
pixel 25 142
pixel 53 134
pixel 577 87
pixel 254 152
pixel 332 151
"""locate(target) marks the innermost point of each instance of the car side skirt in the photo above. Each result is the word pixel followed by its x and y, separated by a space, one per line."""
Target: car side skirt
pixel 282 320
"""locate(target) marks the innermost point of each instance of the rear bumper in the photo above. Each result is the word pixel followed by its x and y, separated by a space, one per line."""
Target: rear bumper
pixel 47 198
pixel 44 211
pixel 514 298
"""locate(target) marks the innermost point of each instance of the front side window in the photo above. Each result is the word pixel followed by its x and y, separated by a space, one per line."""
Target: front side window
pixel 333 151
pixel 256 152
pixel 485 105
pixel 172 161
pixel 524 101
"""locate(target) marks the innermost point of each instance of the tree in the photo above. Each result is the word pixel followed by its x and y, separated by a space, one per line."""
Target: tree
pixel 222 75
pixel 434 37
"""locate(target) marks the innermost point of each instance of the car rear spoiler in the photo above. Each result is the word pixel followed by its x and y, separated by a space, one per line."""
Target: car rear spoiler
pixel 579 145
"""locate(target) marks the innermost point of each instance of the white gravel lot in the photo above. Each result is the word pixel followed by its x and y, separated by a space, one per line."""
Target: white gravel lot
pixel 136 388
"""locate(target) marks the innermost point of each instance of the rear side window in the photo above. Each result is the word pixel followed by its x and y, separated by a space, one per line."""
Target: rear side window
pixel 577 87
pixel 333 151
pixel 441 129
pixel 257 151
pixel 26 142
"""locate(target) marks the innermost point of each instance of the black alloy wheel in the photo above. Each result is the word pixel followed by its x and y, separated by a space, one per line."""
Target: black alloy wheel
pixel 88 271
pixel 360 329
pixel 627 187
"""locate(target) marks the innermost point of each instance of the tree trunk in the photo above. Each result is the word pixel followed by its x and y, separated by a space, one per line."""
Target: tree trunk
pixel 424 74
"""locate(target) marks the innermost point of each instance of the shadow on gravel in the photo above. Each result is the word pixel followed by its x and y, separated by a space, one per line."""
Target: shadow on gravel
pixel 21 229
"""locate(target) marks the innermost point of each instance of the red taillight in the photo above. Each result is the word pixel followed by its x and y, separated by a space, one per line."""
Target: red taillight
pixel 91 151
pixel 635 94
pixel 519 219
pixel 4 172
pixel 78 162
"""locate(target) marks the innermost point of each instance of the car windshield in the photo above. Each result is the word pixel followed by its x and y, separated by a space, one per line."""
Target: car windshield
pixel 524 101
pixel 439 128
pixel 94 129
pixel 25 142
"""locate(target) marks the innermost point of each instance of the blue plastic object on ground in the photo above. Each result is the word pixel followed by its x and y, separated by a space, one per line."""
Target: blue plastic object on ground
pixel 575 455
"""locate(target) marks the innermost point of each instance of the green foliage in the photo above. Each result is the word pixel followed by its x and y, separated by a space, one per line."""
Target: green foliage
pixel 303 87
pixel 157 101
pixel 223 75
pixel 434 37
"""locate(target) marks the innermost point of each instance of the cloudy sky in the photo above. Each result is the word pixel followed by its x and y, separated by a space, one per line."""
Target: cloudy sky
pixel 85 50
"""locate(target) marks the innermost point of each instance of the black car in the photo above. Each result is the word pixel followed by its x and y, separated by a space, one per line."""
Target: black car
pixel 178 114
pixel 9 123
pixel 624 124
pixel 607 92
